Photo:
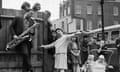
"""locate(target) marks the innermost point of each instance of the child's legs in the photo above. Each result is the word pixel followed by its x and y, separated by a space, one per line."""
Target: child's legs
pixel 62 70
pixel 75 67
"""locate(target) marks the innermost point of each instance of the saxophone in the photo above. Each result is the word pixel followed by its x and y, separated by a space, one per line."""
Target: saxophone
pixel 21 37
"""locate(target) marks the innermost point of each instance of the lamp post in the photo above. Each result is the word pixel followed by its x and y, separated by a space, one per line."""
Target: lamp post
pixel 102 18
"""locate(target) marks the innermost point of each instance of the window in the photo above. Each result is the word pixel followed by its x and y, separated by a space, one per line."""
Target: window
pixel 89 9
pixel 67 27
pixel 115 11
pixel 99 23
pixel 77 24
pixel 77 9
pixel 66 21
pixel 99 10
pixel 63 25
pixel 54 26
pixel 64 12
pixel 81 23
pixel 89 25
pixel 68 10
pixel 116 22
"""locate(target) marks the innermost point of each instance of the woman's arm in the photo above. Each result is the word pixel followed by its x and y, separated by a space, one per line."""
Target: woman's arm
pixel 77 33
pixel 48 46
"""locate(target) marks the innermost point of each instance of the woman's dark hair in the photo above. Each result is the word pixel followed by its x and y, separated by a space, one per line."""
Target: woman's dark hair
pixel 24 5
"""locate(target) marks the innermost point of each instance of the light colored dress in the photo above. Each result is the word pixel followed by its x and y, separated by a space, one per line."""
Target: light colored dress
pixel 61 46
pixel 61 52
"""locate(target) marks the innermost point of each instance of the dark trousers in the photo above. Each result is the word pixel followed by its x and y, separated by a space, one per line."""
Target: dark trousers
pixel 84 56
pixel 24 49
pixel 119 58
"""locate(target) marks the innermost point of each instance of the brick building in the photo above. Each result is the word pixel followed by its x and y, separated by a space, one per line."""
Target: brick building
pixel 86 14
pixel 66 21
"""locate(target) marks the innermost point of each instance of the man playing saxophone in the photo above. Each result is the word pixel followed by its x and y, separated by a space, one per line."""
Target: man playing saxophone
pixel 18 27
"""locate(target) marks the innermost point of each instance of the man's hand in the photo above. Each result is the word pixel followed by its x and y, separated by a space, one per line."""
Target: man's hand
pixel 7 48
pixel 15 37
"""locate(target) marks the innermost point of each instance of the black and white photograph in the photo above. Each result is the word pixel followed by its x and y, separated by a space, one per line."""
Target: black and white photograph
pixel 59 35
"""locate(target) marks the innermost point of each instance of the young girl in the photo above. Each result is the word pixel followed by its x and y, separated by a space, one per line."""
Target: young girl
pixel 75 55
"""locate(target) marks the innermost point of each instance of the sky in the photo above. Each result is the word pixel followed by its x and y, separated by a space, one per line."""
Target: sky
pixel 51 5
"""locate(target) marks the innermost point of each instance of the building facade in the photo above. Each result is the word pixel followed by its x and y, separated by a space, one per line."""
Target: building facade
pixel 86 14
